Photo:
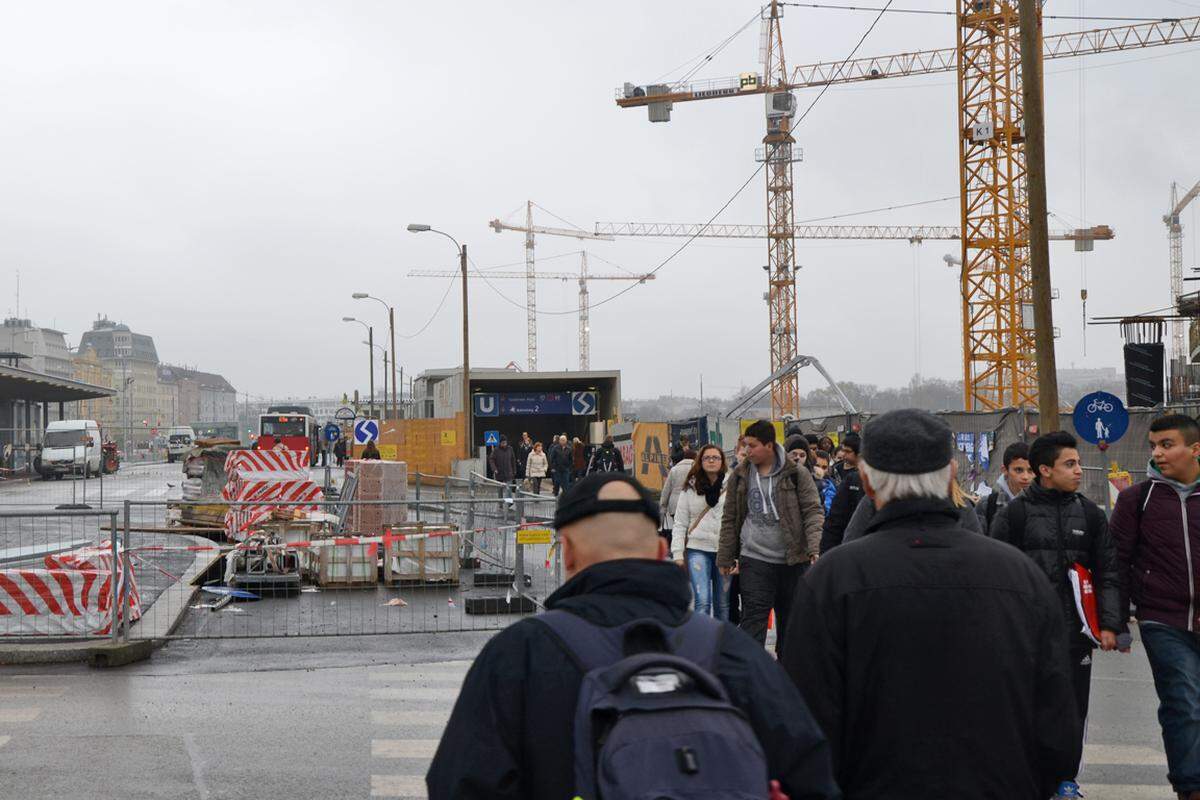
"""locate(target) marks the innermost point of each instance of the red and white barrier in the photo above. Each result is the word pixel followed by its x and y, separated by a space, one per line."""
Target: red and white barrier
pixel 242 475
pixel 97 559
pixel 55 602
pixel 340 541
pixel 265 497
pixel 266 460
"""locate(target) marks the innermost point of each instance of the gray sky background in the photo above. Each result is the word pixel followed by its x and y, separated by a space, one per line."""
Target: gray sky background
pixel 222 175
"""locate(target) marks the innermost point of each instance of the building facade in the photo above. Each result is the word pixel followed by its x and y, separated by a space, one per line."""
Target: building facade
pixel 87 368
pixel 45 349
pixel 141 404
pixel 198 397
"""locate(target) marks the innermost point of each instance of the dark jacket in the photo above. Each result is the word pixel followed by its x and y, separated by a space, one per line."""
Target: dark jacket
pixel 860 521
pixel 935 661
pixel 988 507
pixel 606 458
pixel 1158 550
pixel 523 451
pixel 1057 534
pixel 370 452
pixel 503 462
pixel 560 458
pixel 798 504
pixel 578 462
pixel 849 493
pixel 510 735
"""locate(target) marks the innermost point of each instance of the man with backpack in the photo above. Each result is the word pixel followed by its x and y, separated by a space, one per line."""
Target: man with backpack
pixel 618 690
pixel 1067 536
pixel 934 659
pixel 770 530
pixel 849 494
pixel 1156 524
pixel 606 458
pixel 1015 477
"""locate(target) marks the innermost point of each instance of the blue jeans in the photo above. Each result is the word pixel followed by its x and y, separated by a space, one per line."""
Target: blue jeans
pixel 707 583
pixel 1174 656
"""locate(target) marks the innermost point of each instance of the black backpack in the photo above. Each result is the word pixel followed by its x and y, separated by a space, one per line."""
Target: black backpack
pixel 657 724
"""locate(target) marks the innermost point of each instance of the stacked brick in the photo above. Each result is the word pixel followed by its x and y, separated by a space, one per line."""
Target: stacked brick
pixel 377 480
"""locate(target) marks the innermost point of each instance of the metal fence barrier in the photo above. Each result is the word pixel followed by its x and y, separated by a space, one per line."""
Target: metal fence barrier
pixel 64 575
pixel 444 561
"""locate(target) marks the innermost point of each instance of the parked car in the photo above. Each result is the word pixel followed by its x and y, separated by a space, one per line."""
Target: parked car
pixel 179 442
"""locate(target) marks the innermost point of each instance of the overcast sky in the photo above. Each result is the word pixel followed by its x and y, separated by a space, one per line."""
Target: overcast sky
pixel 222 175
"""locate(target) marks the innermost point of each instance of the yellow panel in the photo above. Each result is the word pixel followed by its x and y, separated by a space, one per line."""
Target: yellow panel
pixel 387 452
pixel 449 437
pixel 535 536
pixel 652 453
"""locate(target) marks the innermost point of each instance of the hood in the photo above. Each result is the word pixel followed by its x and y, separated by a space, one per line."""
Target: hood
pixel 781 461
pixel 1184 489
pixel 613 592
pixel 1001 485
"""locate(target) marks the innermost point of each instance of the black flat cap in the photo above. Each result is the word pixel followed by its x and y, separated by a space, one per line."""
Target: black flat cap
pixel 581 501
pixel 907 442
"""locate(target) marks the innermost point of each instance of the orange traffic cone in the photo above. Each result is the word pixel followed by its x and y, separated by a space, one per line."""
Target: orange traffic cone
pixel 771 620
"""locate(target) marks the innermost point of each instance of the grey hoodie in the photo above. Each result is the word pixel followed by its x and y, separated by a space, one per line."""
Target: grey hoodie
pixel 762 536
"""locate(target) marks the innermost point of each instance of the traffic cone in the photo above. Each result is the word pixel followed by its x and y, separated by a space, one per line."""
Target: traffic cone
pixel 771 620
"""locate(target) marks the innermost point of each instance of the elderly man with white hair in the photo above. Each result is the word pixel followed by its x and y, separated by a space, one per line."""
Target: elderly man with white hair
pixel 931 657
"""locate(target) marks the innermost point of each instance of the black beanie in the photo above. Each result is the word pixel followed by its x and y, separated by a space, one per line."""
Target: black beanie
pixel 907 442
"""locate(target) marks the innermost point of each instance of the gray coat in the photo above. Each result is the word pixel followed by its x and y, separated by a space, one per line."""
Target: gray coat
pixel 865 512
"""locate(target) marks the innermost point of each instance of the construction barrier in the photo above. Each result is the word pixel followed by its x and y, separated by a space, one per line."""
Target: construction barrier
pixel 55 602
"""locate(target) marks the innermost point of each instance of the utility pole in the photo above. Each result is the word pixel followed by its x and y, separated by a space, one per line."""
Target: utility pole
pixel 392 331
pixel 468 405
pixel 371 357
pixel 1039 242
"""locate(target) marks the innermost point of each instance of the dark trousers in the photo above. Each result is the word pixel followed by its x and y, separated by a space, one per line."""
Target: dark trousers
pixel 766 586
pixel 562 480
pixel 1081 682
pixel 536 485
pixel 1174 656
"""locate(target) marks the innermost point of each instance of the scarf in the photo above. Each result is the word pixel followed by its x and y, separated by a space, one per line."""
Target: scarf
pixel 713 493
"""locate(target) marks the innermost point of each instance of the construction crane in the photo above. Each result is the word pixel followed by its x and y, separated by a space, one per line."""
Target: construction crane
pixel 529 229
pixel 909 233
pixel 1175 239
pixel 584 277
pixel 998 361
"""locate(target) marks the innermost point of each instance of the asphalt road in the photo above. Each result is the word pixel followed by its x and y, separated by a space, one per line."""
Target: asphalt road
pixel 159 481
pixel 351 717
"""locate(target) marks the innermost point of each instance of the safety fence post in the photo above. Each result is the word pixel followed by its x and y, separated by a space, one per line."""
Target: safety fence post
pixel 114 598
pixel 417 495
pixel 126 576
pixel 468 539
pixel 519 567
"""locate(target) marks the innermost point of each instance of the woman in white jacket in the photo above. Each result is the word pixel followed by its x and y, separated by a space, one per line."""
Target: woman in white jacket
pixel 536 467
pixel 697 528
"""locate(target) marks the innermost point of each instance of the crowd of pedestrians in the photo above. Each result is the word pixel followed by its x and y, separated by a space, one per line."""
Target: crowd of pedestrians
pixel 927 644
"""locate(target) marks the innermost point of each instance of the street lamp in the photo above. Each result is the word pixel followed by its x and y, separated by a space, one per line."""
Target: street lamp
pixel 370 356
pixel 468 411
pixel 392 332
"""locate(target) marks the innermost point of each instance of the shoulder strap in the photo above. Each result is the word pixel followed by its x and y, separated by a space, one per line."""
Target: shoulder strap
pixel 1016 521
pixel 992 503
pixel 697 639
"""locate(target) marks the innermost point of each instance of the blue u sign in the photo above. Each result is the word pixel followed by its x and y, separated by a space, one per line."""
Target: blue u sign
pixel 487 405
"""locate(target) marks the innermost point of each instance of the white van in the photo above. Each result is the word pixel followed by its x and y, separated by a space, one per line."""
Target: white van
pixel 72 446
pixel 179 442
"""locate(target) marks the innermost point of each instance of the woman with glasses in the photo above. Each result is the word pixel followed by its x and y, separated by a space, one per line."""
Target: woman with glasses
pixel 697 528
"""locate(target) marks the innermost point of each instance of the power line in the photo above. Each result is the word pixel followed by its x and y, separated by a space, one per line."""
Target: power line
pixel 927 12
pixel 433 316
pixel 878 210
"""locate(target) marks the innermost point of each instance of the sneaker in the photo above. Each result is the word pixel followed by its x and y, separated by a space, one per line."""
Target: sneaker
pixel 1068 790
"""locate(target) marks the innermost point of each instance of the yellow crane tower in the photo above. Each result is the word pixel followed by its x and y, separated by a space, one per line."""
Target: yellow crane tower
pixel 998 350
pixel 585 329
pixel 1175 244
pixel 529 229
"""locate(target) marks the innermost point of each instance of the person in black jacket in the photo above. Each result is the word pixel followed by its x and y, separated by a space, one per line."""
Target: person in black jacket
pixel 934 659
pixel 511 732
pixel 849 493
pixel 1058 527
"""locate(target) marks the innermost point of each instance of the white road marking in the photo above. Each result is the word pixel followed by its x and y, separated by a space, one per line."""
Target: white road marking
pixel 4 740
pixel 398 786
pixel 403 748
pixel 1123 754
pixel 416 693
pixel 19 714
pixel 443 679
pixel 1120 791
pixel 409 718
pixel 444 670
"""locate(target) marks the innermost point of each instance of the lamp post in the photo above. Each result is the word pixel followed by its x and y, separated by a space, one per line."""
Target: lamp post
pixel 468 410
pixel 392 334
pixel 370 356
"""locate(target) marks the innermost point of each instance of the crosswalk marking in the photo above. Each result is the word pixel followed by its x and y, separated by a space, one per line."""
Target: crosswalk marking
pixel 449 693
pixel 19 714
pixel 1123 754
pixel 449 676
pixel 1124 791
pixel 398 786
pixel 411 718
pixel 4 740
pixel 403 748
